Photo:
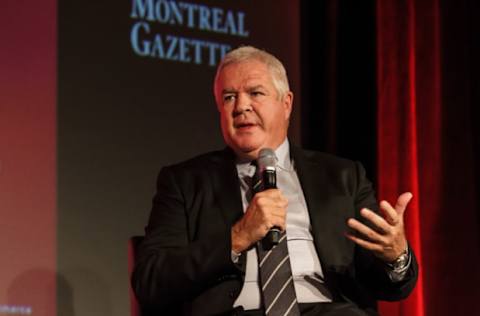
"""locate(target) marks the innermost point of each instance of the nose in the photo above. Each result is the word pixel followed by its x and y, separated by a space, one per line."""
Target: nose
pixel 242 104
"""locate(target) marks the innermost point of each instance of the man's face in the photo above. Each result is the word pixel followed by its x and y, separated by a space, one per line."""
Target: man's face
pixel 253 116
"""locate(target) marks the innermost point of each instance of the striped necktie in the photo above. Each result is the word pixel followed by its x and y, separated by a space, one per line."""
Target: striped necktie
pixel 276 279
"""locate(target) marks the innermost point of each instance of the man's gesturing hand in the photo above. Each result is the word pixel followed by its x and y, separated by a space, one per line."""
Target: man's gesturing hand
pixel 267 209
pixel 386 239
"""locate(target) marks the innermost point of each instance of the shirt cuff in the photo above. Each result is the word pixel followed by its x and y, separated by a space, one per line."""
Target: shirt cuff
pixel 235 256
pixel 398 273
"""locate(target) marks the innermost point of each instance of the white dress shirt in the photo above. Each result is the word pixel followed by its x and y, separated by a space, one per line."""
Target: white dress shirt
pixel 304 261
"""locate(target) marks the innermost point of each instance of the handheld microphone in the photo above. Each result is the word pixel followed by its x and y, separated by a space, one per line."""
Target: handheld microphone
pixel 266 163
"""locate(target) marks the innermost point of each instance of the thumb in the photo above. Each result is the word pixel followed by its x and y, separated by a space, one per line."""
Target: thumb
pixel 402 202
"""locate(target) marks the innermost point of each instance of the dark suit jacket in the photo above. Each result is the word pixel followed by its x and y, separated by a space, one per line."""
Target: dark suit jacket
pixel 184 264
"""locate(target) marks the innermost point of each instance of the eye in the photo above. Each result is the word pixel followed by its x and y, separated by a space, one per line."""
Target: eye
pixel 228 98
pixel 256 93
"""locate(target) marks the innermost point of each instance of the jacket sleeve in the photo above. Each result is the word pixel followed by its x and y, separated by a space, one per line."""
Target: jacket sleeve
pixel 172 264
pixel 370 271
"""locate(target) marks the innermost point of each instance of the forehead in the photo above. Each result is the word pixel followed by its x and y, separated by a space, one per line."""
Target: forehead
pixel 246 73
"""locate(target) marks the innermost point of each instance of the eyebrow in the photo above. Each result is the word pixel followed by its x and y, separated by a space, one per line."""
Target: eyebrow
pixel 259 86
pixel 228 91
pixel 231 90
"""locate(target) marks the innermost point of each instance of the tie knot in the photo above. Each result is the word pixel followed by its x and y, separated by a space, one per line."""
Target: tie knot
pixel 252 168
pixel 256 178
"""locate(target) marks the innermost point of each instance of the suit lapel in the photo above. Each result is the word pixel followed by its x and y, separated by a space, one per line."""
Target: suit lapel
pixel 327 211
pixel 226 186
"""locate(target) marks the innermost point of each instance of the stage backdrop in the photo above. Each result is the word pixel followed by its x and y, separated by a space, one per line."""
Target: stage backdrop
pixel 27 157
pixel 95 97
pixel 135 94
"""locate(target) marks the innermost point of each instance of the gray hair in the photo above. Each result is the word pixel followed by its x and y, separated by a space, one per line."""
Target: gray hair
pixel 246 53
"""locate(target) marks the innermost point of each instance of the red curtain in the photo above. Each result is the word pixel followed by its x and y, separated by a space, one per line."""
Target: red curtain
pixel 425 146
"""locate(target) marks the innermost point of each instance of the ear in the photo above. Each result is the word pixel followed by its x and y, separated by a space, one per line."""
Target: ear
pixel 288 104
pixel 218 106
pixel 218 94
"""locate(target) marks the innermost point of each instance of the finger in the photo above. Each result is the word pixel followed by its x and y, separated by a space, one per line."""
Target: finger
pixel 265 202
pixel 274 214
pixel 272 195
pixel 391 215
pixel 402 202
pixel 281 203
pixel 276 221
pixel 395 215
pixel 379 222
pixel 276 218
pixel 281 200
pixel 364 243
pixel 366 231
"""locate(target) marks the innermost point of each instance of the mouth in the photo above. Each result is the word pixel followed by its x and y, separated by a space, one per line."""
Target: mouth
pixel 245 126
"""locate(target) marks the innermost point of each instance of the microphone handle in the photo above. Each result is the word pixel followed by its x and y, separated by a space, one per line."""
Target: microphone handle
pixel 273 236
pixel 270 182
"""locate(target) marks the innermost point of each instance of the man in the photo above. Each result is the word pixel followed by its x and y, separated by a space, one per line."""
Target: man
pixel 202 252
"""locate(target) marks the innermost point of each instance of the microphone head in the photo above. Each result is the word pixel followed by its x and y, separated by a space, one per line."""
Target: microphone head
pixel 267 159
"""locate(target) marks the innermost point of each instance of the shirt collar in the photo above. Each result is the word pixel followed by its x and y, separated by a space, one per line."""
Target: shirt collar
pixel 245 169
pixel 283 160
pixel 283 155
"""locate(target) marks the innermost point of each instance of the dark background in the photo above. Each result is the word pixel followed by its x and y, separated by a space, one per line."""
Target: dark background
pixel 341 73
pixel 120 118
pixel 338 79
